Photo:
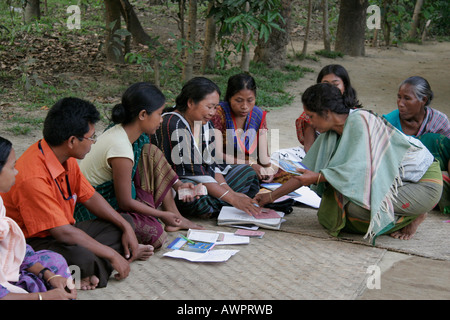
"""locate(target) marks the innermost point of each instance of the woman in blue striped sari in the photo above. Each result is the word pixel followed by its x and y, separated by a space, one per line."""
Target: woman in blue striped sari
pixel 187 138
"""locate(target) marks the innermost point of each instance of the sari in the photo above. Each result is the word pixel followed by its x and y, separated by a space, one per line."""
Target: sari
pixel 193 159
pixel 434 133
pixel 247 143
pixel 152 180
pixel 300 127
pixel 434 121
pixel 16 257
pixel 362 166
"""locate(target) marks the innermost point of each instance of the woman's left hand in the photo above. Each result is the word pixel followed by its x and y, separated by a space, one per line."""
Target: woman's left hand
pixel 192 193
pixel 57 281
pixel 263 198
pixel 264 174
pixel 245 203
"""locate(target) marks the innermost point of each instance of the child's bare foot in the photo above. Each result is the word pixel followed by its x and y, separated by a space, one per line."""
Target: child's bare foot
pixel 89 283
pixel 407 232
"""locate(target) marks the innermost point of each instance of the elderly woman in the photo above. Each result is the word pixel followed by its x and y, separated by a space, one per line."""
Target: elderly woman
pixel 415 117
pixel 186 137
pixel 368 173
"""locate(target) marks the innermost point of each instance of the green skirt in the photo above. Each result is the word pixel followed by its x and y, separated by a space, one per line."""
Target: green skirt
pixel 335 212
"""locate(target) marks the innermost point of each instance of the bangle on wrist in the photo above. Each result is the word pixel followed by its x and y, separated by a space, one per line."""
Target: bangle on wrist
pixel 39 296
pixel 318 178
pixel 224 194
pixel 54 276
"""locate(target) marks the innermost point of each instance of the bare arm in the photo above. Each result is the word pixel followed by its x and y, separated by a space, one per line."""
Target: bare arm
pixel 222 191
pixel 310 136
pixel 122 169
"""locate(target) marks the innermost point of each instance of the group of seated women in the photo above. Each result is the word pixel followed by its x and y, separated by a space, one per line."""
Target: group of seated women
pixel 358 160
pixel 375 174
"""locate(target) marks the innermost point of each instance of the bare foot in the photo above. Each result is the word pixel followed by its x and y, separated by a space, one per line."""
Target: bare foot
pixel 144 252
pixel 89 283
pixel 184 225
pixel 407 232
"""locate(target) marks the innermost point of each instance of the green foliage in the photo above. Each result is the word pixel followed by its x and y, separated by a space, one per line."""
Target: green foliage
pixel 19 130
pixel 234 19
pixel 165 65
pixel 329 54
pixel 438 12
pixel 399 15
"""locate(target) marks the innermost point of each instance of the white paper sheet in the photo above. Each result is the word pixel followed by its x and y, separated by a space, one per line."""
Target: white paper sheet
pixel 210 256
pixel 217 237
pixel 308 197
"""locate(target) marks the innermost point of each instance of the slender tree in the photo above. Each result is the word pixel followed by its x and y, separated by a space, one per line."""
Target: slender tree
pixel 416 19
pixel 245 57
pixel 325 26
pixel 209 48
pixel 308 26
pixel 188 70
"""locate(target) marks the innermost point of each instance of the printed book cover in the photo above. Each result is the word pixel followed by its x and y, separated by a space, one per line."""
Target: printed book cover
pixel 181 243
pixel 291 166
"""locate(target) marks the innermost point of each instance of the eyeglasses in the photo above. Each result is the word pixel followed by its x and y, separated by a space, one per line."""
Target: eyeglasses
pixel 93 139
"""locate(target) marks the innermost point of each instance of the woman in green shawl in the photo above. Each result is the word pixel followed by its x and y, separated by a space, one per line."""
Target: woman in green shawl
pixel 372 178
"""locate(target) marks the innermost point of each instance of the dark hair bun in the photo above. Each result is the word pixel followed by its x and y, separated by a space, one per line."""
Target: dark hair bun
pixel 118 113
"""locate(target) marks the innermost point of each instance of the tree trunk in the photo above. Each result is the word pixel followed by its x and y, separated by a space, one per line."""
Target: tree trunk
pixel 181 11
pixel 133 24
pixel 209 49
pixel 113 48
pixel 351 28
pixel 308 25
pixel 325 27
pixel 385 23
pixel 416 19
pixel 425 29
pixel 245 58
pixel 188 70
pixel 273 52
pixel 32 10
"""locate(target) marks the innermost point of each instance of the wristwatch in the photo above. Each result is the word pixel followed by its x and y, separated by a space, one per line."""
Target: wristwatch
pixel 41 273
